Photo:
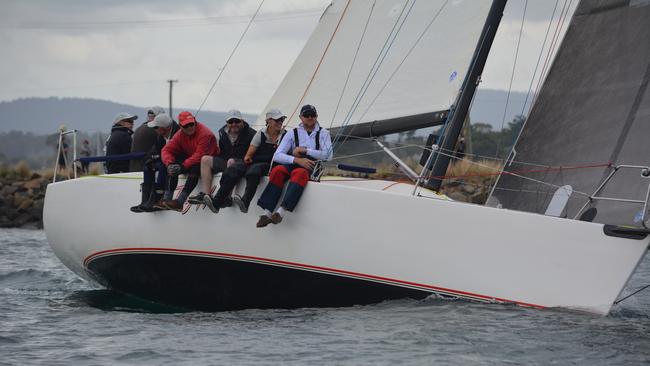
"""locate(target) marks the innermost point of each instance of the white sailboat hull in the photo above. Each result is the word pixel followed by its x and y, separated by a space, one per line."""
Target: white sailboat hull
pixel 344 238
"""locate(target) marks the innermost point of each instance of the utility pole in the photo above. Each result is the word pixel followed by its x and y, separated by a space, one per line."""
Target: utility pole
pixel 171 85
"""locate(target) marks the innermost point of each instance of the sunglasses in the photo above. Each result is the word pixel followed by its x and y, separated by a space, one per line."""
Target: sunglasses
pixel 279 120
pixel 191 124
pixel 233 120
pixel 309 115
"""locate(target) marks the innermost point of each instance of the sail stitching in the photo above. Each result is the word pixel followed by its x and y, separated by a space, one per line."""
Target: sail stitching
pixel 313 76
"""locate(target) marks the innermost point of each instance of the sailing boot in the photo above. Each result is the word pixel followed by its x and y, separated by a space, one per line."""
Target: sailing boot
pixel 244 201
pixel 150 205
pixel 145 189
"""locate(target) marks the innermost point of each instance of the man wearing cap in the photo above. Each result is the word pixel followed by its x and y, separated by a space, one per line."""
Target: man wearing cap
pixel 144 138
pixel 182 154
pixel 234 139
pixel 153 185
pixel 119 142
pixel 259 156
pixel 297 155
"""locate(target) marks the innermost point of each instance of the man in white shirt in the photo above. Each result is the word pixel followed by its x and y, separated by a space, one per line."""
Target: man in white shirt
pixel 296 156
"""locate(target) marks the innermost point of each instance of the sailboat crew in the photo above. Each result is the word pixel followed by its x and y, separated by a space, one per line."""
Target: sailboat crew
pixel 259 156
pixel 297 155
pixel 144 138
pixel 182 155
pixel 119 142
pixel 234 138
pixel 153 187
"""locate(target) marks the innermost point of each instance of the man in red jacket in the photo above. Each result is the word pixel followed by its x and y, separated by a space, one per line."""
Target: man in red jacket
pixel 182 155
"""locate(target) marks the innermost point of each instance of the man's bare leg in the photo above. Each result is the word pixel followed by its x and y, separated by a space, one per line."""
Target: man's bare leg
pixel 206 174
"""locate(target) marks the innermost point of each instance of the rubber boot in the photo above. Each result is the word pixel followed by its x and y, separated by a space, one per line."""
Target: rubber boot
pixel 154 198
pixel 145 189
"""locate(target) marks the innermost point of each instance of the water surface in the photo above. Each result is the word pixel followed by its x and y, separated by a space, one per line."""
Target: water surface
pixel 50 316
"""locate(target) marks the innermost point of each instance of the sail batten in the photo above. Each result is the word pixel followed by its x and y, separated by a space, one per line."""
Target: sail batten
pixel 384 60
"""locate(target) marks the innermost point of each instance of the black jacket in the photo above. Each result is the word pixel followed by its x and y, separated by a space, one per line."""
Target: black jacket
pixel 144 139
pixel 239 148
pixel 119 142
pixel 160 141
pixel 264 152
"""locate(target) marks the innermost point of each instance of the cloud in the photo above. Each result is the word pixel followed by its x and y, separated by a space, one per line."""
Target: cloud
pixel 125 51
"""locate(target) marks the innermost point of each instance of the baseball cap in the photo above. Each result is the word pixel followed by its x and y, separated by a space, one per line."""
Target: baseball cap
pixel 233 113
pixel 122 116
pixel 275 114
pixel 161 120
pixel 185 118
pixel 308 108
pixel 156 110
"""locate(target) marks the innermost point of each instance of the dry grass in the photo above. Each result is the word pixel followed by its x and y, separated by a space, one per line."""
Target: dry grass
pixel 22 170
pixel 468 168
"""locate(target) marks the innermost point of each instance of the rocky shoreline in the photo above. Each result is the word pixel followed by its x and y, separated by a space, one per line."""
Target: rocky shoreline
pixel 21 201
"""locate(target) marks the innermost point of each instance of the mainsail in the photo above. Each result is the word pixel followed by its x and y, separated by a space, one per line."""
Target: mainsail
pixel 385 65
pixel 593 109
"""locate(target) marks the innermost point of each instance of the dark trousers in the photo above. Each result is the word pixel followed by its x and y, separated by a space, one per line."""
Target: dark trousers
pixel 193 173
pixel 229 179
pixel 253 175
pixel 298 178
pixel 150 177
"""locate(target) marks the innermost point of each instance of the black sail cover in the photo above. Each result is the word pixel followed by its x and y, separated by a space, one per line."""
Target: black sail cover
pixel 594 108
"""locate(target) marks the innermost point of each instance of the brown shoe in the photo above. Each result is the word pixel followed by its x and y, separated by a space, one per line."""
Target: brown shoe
pixel 263 221
pixel 173 205
pixel 160 206
pixel 276 218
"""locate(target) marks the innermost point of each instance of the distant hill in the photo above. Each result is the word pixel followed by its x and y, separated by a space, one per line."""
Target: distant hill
pixel 44 115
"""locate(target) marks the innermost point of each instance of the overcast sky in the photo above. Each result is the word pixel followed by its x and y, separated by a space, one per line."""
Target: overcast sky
pixel 125 50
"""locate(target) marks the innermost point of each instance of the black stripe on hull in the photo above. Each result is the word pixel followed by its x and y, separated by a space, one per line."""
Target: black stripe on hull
pixel 217 284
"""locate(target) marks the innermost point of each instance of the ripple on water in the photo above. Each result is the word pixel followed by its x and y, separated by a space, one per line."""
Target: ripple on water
pixel 50 316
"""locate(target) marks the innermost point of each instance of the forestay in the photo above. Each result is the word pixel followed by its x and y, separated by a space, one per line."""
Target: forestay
pixel 399 82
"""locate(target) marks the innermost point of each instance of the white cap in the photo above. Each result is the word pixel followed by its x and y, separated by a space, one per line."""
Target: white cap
pixel 161 120
pixel 233 113
pixel 156 110
pixel 275 114
pixel 122 116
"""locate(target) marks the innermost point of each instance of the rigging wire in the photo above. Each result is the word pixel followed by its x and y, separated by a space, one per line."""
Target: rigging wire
pixel 512 77
pixel 375 67
pixel 354 60
pixel 539 57
pixel 556 34
pixel 426 29
pixel 229 57
pixel 632 294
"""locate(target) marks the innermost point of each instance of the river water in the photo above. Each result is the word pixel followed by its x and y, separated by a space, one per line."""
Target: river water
pixel 50 316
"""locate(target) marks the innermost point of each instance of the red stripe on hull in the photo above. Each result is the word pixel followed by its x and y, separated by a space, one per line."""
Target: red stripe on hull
pixel 310 267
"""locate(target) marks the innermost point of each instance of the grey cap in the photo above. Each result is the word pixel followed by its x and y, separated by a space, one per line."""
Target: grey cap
pixel 156 110
pixel 233 113
pixel 161 120
pixel 122 116
pixel 275 114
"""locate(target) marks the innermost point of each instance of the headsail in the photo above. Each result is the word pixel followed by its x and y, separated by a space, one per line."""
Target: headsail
pixel 593 109
pixel 381 61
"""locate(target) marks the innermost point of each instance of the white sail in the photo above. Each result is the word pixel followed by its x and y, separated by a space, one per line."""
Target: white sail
pixel 418 64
